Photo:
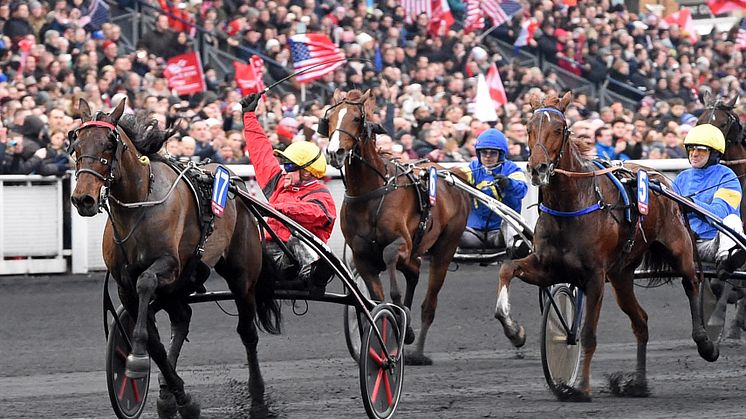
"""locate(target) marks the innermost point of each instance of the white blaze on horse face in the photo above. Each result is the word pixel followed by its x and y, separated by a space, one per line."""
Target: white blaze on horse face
pixel 334 140
pixel 502 308
pixel 546 113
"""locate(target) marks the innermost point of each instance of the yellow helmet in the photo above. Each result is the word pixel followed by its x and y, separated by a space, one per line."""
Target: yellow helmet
pixel 305 155
pixel 706 135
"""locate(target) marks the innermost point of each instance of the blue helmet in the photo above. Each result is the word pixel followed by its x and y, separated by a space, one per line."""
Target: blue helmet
pixel 492 139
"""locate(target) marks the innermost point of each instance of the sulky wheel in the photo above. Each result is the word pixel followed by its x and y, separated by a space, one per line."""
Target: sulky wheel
pixel 707 302
pixel 127 395
pixel 560 360
pixel 381 378
pixel 353 320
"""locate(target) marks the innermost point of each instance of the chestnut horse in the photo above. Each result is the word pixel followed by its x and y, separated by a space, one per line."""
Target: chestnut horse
pixel 598 245
pixel 381 215
pixel 153 230
pixel 720 114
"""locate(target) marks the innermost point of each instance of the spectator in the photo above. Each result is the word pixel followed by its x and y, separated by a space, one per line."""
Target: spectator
pixel 161 40
pixel 605 146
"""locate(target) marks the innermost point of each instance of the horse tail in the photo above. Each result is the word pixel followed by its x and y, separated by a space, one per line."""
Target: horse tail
pixel 268 309
pixel 655 262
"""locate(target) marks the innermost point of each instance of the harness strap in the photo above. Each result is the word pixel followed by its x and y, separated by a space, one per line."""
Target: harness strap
pixel 383 190
pixel 622 191
pixel 595 207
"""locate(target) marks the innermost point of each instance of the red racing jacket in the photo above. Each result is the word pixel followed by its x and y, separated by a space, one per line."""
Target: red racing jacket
pixel 310 205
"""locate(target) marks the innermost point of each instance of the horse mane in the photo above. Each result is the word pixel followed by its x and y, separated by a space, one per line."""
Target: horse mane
pixel 144 132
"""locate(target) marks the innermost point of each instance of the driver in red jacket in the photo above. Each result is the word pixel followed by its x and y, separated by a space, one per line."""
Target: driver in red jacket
pixel 292 186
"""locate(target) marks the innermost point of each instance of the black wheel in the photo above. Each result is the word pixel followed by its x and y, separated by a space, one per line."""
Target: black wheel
pixel 707 302
pixel 560 360
pixel 381 378
pixel 127 395
pixel 352 321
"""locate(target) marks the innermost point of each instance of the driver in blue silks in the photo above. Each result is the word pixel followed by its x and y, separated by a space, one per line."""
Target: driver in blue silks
pixel 500 178
pixel 714 187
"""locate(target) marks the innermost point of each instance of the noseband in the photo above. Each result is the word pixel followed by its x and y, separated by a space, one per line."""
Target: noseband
pixel 565 135
pixel 113 134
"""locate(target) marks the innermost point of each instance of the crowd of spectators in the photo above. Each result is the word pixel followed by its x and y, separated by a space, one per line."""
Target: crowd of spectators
pixel 55 52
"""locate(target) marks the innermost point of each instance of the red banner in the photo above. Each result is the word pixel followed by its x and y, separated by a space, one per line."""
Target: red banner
pixel 249 76
pixel 184 74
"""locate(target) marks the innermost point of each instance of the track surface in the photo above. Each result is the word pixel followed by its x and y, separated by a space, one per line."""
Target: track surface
pixel 52 358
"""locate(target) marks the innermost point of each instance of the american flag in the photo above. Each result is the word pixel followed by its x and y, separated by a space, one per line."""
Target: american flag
pixel 312 49
pixel 415 7
pixel 474 18
pixel 500 11
pixel 741 36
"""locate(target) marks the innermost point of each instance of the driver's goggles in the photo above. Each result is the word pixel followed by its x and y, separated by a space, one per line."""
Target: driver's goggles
pixel 691 148
pixel 489 153
pixel 290 167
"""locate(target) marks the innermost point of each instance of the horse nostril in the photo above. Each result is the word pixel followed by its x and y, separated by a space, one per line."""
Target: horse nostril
pixel 340 152
pixel 84 201
pixel 542 168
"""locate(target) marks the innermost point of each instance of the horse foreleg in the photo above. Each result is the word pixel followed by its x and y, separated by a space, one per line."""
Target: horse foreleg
pixel 636 386
pixel 737 325
pixel 138 362
pixel 594 293
pixel 526 269
pixel 180 315
pixel 390 257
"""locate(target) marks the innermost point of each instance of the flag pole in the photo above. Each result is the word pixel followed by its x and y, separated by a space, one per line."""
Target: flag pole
pixel 303 93
pixel 485 33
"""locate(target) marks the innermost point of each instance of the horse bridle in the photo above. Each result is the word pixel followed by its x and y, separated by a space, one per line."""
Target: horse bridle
pixel 565 136
pixel 366 132
pixel 109 164
pixel 732 119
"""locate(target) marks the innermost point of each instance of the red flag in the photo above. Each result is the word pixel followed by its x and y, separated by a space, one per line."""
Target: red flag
pixel 724 6
pixel 474 17
pixel 413 8
pixel 441 16
pixel 312 49
pixel 246 78
pixel 495 85
pixel 683 19
pixel 184 74
pixel 258 65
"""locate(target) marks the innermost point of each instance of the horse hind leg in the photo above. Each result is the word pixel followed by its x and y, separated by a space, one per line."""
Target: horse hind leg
pixel 621 384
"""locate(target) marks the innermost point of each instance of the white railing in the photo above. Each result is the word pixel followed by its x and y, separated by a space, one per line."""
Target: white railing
pixel 32 221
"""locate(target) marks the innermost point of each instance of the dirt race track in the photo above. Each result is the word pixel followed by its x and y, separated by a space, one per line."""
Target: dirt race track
pixel 52 359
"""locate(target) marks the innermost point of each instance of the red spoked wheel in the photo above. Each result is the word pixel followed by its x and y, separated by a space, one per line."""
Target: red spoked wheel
pixel 381 377
pixel 127 395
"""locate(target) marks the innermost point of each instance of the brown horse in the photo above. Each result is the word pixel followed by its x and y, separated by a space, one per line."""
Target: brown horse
pixel 720 114
pixel 381 214
pixel 154 228
pixel 587 250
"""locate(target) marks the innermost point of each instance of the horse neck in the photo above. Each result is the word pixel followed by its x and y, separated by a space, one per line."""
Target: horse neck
pixel 132 181
pixel 364 171
pixel 566 192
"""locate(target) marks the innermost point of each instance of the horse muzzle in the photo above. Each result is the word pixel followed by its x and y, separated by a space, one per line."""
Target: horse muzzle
pixel 86 204
pixel 540 174
pixel 337 158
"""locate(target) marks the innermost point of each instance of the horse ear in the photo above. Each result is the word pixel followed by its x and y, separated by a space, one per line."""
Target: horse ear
pixel 85 110
pixel 706 97
pixel 369 101
pixel 535 101
pixel 337 96
pixel 118 111
pixel 732 103
pixel 566 99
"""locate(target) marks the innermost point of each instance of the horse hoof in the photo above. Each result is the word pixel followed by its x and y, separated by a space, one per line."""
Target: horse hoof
pixel 519 339
pixel 166 406
pixel 627 385
pixel 566 393
pixel 409 336
pixel 708 351
pixel 138 366
pixel 190 409
pixel 259 411
pixel 417 359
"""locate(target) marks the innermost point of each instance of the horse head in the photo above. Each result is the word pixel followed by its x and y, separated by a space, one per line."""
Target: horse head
pixel 720 114
pixel 548 136
pixel 95 144
pixel 346 124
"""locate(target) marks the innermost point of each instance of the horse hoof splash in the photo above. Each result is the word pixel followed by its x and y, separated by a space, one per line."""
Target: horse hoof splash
pixel 627 385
